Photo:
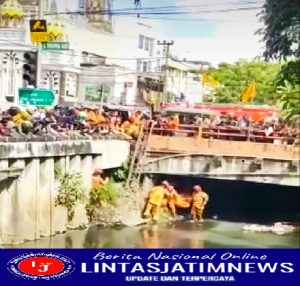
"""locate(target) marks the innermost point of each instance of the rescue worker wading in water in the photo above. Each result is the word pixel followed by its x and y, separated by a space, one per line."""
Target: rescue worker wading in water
pixel 172 196
pixel 199 200
pixel 154 200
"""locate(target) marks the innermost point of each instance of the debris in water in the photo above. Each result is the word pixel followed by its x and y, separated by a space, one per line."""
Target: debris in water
pixel 278 228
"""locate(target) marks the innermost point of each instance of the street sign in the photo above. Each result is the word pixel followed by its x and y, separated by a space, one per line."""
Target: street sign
pixel 36 97
pixel 55 46
pixel 38 31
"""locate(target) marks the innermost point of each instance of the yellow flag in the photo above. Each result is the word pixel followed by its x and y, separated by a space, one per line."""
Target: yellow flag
pixel 249 93
pixel 205 78
pixel 213 82
pixel 209 80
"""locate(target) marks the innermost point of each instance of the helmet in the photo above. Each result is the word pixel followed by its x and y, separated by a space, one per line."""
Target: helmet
pixel 97 171
pixel 197 188
pixel 165 183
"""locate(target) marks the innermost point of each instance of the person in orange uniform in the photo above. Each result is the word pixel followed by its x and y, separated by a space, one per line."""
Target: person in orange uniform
pixel 155 200
pixel 173 124
pixel 135 118
pixel 199 200
pixel 135 124
pixel 97 179
pixel 172 197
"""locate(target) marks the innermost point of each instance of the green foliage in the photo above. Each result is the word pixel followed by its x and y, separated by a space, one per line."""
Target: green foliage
pixel 102 195
pixel 289 101
pixel 235 77
pixel 289 72
pixel 70 192
pixel 120 174
pixel 281 32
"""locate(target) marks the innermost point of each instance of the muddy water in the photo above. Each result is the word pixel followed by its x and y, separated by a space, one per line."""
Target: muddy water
pixel 183 234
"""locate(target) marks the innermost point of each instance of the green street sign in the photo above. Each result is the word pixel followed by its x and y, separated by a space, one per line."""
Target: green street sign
pixel 50 46
pixel 36 97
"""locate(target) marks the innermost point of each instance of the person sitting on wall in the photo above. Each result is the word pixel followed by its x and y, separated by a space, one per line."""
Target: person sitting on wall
pixel 199 200
pixel 154 200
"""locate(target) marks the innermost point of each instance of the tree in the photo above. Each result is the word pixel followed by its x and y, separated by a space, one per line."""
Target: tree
pixel 281 32
pixel 289 72
pixel 234 78
pixel 289 101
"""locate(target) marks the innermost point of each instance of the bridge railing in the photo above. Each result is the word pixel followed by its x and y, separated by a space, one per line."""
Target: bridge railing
pixel 223 133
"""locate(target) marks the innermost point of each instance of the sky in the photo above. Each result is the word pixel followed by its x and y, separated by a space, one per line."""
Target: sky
pixel 208 33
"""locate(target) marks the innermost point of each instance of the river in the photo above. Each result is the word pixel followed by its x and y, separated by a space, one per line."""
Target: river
pixel 181 234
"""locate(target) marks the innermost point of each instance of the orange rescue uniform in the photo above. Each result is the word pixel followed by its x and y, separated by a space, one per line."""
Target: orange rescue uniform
pixel 154 201
pixel 199 200
pixel 98 181
pixel 173 122
pixel 172 197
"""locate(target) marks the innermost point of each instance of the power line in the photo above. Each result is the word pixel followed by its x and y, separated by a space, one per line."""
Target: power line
pixel 159 11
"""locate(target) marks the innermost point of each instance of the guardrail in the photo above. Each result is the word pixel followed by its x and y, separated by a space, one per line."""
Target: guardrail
pixel 184 130
pixel 223 133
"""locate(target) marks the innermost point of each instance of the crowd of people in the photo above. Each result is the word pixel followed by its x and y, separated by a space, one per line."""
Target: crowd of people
pixel 63 123
pixel 166 197
pixel 225 126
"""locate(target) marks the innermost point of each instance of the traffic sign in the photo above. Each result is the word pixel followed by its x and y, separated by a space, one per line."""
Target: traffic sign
pixel 36 97
pixel 55 46
pixel 38 26
pixel 38 31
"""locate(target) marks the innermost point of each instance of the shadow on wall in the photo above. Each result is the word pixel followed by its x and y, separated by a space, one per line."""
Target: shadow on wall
pixel 242 201
pixel 6 184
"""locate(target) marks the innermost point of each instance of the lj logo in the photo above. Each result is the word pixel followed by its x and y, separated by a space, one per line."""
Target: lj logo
pixel 41 266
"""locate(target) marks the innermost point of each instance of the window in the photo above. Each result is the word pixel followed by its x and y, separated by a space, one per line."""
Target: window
pixel 53 7
pixel 147 44
pixel 151 41
pixel 10 75
pixel 71 84
pixel 141 41
pixel 81 4
pixel 138 65
pixel 51 83
pixel 145 66
pixel 149 68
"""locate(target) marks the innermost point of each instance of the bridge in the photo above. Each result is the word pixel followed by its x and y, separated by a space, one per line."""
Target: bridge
pixel 222 159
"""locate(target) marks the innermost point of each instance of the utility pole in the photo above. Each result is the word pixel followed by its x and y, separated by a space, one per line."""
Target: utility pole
pixel 167 49
pixel 39 49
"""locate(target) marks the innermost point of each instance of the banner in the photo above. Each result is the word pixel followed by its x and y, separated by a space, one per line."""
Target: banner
pixel 150 267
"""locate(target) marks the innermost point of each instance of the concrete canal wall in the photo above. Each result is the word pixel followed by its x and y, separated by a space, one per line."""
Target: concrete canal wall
pixel 29 183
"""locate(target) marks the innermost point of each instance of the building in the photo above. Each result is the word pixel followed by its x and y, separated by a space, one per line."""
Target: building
pixel 90 57
pixel 184 81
